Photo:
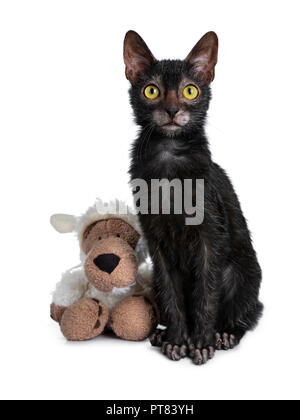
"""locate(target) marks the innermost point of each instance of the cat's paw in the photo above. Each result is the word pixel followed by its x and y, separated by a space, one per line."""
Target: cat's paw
pixel 174 346
pixel 157 337
pixel 226 341
pixel 201 355
pixel 173 351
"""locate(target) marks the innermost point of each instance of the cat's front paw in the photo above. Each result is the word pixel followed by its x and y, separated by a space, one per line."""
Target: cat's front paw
pixel 201 349
pixel 173 351
pixel 201 355
pixel 157 337
pixel 174 346
pixel 225 341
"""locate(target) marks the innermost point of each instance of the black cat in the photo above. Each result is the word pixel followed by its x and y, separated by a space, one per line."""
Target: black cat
pixel 206 277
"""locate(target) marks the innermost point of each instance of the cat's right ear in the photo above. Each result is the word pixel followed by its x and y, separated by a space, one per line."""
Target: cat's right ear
pixel 204 57
pixel 137 56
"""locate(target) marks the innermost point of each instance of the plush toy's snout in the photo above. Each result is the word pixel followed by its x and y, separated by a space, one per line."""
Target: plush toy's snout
pixel 111 263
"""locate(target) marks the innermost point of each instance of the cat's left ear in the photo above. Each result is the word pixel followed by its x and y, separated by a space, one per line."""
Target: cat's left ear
pixel 204 57
pixel 137 56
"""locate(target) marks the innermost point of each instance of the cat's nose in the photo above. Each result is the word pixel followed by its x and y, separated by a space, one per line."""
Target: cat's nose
pixel 172 110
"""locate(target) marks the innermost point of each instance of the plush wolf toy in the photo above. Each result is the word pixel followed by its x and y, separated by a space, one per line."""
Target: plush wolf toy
pixel 111 288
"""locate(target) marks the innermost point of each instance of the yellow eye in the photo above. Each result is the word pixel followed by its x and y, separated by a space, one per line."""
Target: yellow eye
pixel 151 92
pixel 190 92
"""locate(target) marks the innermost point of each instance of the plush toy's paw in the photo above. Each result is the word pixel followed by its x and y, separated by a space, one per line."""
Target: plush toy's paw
pixel 56 312
pixel 226 341
pixel 133 318
pixel 84 319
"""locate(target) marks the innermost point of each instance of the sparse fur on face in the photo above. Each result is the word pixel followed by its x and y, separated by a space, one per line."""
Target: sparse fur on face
pixel 190 114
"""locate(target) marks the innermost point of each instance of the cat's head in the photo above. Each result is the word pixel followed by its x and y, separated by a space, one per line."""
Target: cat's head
pixel 171 96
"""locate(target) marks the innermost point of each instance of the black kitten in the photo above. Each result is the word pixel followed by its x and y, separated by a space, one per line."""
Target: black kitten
pixel 206 277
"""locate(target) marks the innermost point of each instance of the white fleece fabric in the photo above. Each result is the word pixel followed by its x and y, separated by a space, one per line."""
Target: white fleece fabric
pixel 74 286
pixel 110 211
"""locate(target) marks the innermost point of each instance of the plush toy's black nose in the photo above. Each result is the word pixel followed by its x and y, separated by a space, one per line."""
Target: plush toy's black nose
pixel 107 262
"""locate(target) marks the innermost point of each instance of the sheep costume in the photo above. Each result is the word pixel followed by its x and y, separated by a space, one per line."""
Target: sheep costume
pixel 112 286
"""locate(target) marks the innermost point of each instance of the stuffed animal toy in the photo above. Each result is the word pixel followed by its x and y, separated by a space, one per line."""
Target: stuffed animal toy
pixel 111 289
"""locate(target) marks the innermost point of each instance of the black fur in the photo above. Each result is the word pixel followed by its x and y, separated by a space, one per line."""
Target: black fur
pixel 206 277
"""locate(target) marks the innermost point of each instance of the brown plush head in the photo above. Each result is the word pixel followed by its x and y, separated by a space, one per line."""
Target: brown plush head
pixel 109 246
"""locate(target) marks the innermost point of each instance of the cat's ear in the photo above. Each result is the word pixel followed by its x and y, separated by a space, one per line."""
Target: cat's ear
pixel 137 56
pixel 204 57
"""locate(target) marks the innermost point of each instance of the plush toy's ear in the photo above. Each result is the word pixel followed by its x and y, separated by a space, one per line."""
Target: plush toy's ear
pixel 137 56
pixel 204 57
pixel 63 223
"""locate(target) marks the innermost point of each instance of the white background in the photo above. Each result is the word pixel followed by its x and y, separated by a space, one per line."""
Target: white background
pixel 65 131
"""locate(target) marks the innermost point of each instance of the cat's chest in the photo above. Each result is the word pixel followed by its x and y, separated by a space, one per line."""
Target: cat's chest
pixel 168 158
pixel 167 150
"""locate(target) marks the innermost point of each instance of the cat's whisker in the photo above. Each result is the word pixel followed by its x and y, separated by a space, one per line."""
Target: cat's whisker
pixel 150 133
pixel 140 144
pixel 145 139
